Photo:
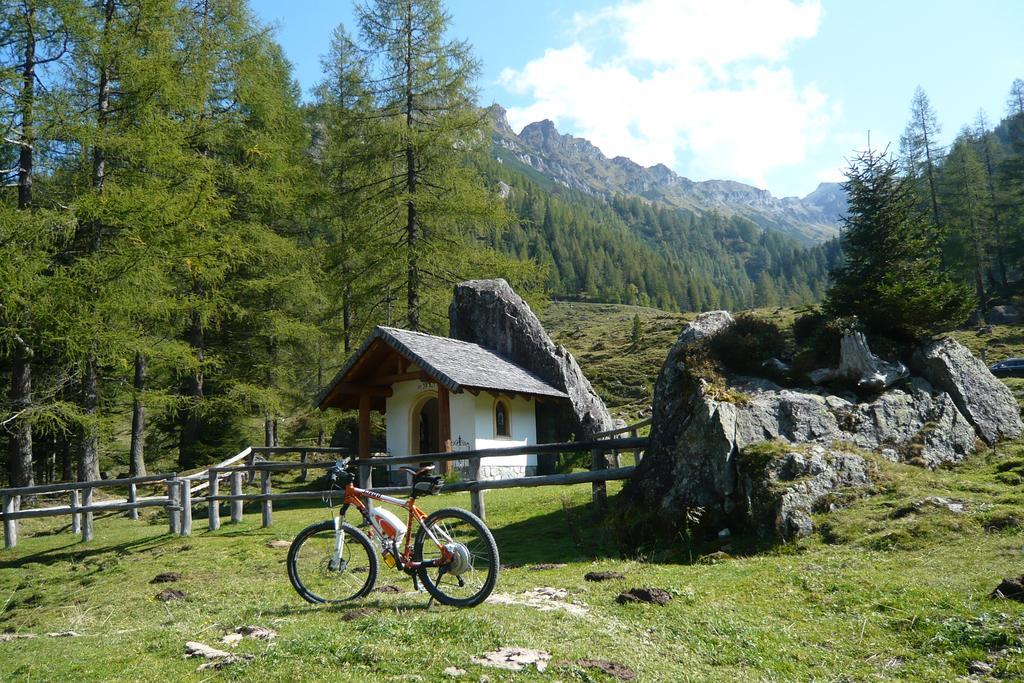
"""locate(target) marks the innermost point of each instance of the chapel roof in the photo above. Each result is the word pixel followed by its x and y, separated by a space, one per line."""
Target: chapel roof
pixel 456 364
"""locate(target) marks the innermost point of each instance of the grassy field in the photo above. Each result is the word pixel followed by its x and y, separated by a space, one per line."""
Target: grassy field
pixel 891 587
pixel 888 590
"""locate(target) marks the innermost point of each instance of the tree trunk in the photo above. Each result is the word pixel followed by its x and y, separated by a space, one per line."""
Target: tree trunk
pixel 88 447
pixel 19 455
pixel 412 220
pixel 27 106
pixel 930 170
pixel 188 440
pixel 137 466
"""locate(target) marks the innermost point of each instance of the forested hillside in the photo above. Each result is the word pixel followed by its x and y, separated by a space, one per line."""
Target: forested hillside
pixel 629 250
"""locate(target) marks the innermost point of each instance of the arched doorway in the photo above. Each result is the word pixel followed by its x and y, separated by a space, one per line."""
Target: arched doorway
pixel 424 428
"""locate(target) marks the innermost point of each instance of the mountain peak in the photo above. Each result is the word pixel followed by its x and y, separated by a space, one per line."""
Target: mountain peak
pixel 576 163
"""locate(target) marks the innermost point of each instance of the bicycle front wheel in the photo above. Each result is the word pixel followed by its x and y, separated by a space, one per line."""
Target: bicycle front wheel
pixel 319 576
pixel 472 570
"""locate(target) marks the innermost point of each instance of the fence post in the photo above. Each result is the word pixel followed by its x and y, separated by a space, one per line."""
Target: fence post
pixel 10 525
pixel 185 496
pixel 87 515
pixel 598 489
pixel 236 490
pixel 476 496
pixel 268 505
pixel 133 497
pixel 76 518
pixel 305 459
pixel 212 504
pixel 173 507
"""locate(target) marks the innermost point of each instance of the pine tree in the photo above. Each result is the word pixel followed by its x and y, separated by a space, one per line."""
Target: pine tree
pixel 921 151
pixel 968 210
pixel 426 125
pixel 891 277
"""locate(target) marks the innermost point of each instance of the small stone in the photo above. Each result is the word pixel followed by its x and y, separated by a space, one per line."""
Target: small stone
pixel 454 672
pixel 655 596
pixel 166 577
pixel 63 634
pixel 724 533
pixel 979 668
pixel 279 544
pixel 168 595
pixel 603 576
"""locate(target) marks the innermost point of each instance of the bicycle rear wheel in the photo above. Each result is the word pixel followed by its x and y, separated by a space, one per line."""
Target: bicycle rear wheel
pixel 470 576
pixel 318 577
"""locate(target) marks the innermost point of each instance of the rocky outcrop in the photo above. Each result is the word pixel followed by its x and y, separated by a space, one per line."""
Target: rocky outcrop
pixel 984 400
pixel 491 314
pixel 704 425
pixel 783 491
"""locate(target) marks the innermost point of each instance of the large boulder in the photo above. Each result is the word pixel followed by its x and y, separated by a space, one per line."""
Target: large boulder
pixel 704 424
pixel 491 314
pixel 984 400
pixel 782 491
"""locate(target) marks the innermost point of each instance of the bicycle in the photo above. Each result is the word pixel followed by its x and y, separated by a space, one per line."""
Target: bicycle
pixel 454 556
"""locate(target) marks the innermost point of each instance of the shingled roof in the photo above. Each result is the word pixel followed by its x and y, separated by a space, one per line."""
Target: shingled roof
pixel 457 365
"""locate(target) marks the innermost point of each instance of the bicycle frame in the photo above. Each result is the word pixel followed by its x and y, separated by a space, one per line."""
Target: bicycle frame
pixel 354 496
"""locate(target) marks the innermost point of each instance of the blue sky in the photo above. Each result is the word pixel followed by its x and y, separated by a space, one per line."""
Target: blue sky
pixel 776 93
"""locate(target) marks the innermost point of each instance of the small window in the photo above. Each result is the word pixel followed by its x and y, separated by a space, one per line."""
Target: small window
pixel 501 419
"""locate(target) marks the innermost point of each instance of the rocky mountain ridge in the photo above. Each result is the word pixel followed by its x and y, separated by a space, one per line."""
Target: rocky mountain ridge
pixel 578 164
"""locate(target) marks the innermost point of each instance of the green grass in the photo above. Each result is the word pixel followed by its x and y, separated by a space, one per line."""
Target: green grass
pixel 886 592
pixel 598 335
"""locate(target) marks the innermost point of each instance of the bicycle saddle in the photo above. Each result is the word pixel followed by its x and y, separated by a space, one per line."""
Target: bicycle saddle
pixel 414 472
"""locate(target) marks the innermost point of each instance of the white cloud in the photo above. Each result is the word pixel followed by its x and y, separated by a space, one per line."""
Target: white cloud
pixel 700 86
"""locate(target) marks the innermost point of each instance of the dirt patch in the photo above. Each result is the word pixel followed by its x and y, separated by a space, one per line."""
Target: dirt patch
pixel 1010 589
pixel 514 659
pixel 388 589
pixel 167 577
pixel 354 614
pixel 1003 522
pixel 542 599
pixel 603 576
pixel 615 669
pixel 169 594
pixel 655 596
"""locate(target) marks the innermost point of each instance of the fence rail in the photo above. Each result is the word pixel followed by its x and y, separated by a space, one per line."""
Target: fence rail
pixel 184 493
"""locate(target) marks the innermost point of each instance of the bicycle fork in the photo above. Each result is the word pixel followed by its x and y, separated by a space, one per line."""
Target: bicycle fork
pixel 336 563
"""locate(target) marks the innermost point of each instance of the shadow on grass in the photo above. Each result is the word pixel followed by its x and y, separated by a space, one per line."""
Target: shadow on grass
pixel 76 550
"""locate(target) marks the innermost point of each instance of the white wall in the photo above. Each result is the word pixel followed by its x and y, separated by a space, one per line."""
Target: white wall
pixel 523 421
pixel 472 422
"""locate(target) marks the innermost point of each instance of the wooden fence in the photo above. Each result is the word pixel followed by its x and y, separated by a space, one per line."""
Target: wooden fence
pixel 185 493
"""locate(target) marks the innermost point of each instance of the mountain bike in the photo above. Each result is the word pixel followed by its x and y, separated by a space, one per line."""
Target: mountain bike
pixel 452 552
